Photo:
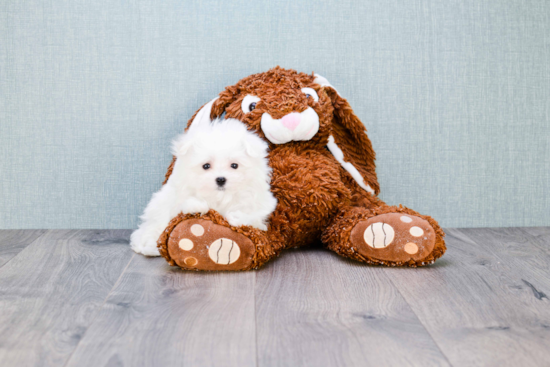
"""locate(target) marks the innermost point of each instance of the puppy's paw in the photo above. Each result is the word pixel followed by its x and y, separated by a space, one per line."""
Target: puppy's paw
pixel 238 218
pixel 148 251
pixel 194 205
pixel 257 222
pixel 144 241
pixel 260 225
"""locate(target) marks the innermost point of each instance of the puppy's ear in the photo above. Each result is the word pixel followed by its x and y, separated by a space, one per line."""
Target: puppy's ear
pixel 254 146
pixel 180 147
pixel 349 142
pixel 182 144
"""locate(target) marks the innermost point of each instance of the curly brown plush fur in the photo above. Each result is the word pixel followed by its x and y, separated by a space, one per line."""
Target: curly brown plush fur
pixel 318 200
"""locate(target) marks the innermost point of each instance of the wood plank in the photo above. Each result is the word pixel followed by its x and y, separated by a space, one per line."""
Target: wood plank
pixel 13 241
pixel 163 316
pixel 52 290
pixel 540 238
pixel 317 309
pixel 527 255
pixel 542 232
pixel 477 306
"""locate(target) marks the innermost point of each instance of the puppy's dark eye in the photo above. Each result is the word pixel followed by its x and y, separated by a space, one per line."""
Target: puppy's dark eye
pixel 234 165
pixel 308 95
pixel 252 106
pixel 206 166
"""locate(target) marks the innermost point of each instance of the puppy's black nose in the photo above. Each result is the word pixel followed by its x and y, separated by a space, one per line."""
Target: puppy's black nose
pixel 220 181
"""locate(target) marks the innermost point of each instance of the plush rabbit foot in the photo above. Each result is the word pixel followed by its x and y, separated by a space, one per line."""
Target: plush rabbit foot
pixel 208 242
pixel 394 237
pixel 199 244
pixel 388 236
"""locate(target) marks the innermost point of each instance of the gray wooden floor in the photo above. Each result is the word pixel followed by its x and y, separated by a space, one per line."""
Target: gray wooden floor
pixel 83 298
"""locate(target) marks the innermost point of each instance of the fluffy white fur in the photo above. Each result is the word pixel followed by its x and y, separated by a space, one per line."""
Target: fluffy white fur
pixel 244 199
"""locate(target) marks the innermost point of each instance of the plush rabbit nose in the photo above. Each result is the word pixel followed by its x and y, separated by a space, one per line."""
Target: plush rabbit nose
pixel 291 121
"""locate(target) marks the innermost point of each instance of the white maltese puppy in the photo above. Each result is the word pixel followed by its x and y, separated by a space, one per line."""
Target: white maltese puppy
pixel 219 165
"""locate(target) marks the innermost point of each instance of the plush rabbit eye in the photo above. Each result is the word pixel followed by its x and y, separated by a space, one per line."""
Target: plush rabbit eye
pixel 249 103
pixel 206 166
pixel 234 165
pixel 310 92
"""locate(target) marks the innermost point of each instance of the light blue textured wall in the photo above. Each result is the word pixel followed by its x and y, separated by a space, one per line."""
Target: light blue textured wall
pixel 455 95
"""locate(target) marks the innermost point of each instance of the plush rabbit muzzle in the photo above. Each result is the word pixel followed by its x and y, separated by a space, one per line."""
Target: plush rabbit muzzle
pixel 295 126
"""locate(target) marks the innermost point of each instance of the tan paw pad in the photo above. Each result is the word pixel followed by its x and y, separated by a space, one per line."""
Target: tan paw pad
pixel 224 251
pixel 197 230
pixel 379 235
pixel 191 261
pixel 411 248
pixel 416 231
pixel 185 244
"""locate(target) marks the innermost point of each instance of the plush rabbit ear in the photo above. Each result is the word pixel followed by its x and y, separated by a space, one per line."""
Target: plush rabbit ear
pixel 215 108
pixel 349 142
pixel 202 116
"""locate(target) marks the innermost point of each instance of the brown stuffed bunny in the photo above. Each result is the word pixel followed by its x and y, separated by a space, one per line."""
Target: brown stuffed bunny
pixel 323 178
